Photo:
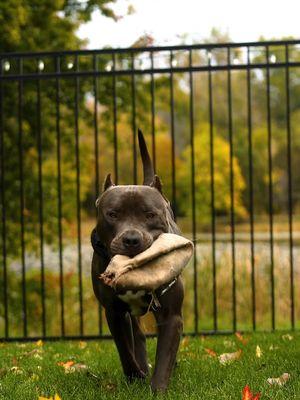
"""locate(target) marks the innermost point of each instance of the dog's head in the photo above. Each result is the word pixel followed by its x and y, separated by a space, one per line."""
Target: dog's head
pixel 131 217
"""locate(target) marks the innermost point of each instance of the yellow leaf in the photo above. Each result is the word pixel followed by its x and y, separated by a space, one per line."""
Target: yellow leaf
pixel 258 351
pixel 39 343
pixel 82 344
pixel 287 337
pixel 185 341
pixel 56 397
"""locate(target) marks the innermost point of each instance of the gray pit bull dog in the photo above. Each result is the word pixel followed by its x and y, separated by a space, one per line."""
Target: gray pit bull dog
pixel 130 218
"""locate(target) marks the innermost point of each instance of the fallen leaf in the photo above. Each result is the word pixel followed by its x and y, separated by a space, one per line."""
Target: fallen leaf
pixel 240 337
pixel 56 397
pixel 66 364
pixel 34 377
pixel 229 357
pixel 39 343
pixel 185 341
pixel 16 370
pixel 82 344
pixel 33 353
pixel 287 337
pixel 15 361
pixel 211 352
pixel 280 381
pixel 110 386
pixel 248 395
pixel 258 351
pixel 273 347
pixel 71 366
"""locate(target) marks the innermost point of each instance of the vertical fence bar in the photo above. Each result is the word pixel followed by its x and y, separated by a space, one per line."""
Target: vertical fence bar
pixel 22 201
pixel 232 213
pixel 77 160
pixel 270 169
pixel 115 119
pixel 153 113
pixel 41 202
pixel 251 208
pixel 133 120
pixel 290 187
pixel 3 211
pixel 96 154
pixel 174 206
pixel 191 84
pixel 59 199
pixel 212 193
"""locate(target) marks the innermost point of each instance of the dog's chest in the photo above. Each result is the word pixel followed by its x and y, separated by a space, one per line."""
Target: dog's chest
pixel 138 302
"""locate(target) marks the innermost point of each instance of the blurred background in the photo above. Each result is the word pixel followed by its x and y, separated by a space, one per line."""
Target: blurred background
pixel 247 241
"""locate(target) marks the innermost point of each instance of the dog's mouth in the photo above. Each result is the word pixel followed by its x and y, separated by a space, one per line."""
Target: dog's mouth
pixel 117 246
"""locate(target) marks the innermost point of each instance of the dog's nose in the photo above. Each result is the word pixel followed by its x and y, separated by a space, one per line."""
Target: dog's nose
pixel 131 239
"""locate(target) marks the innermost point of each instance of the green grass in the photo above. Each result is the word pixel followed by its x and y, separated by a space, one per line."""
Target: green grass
pixel 197 376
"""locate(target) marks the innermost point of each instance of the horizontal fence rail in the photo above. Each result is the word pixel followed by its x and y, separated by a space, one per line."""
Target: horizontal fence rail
pixel 221 121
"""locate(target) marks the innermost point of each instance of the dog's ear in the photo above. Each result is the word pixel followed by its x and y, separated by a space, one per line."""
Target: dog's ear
pixel 156 183
pixel 108 182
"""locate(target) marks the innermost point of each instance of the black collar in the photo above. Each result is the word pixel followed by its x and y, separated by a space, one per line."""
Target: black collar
pixel 98 246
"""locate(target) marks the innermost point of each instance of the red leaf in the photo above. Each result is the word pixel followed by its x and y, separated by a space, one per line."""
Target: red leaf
pixel 248 395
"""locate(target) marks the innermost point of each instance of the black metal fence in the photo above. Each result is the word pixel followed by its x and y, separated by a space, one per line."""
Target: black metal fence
pixel 58 106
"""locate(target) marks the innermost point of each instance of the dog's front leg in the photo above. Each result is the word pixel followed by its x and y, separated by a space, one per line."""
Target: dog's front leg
pixel 169 332
pixel 120 326
pixel 140 350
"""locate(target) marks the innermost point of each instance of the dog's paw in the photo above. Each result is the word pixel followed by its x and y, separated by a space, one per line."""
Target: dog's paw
pixel 158 387
pixel 136 375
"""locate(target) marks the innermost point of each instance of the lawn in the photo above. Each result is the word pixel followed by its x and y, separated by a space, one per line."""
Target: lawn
pixel 30 370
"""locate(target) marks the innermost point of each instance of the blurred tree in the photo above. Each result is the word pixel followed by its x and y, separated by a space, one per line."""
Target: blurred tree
pixel 38 25
pixel 32 25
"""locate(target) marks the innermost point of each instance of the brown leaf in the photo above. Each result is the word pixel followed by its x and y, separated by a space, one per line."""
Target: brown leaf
pixel 211 352
pixel 240 338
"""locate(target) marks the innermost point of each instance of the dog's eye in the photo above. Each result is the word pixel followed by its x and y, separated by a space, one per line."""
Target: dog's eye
pixel 150 215
pixel 112 214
